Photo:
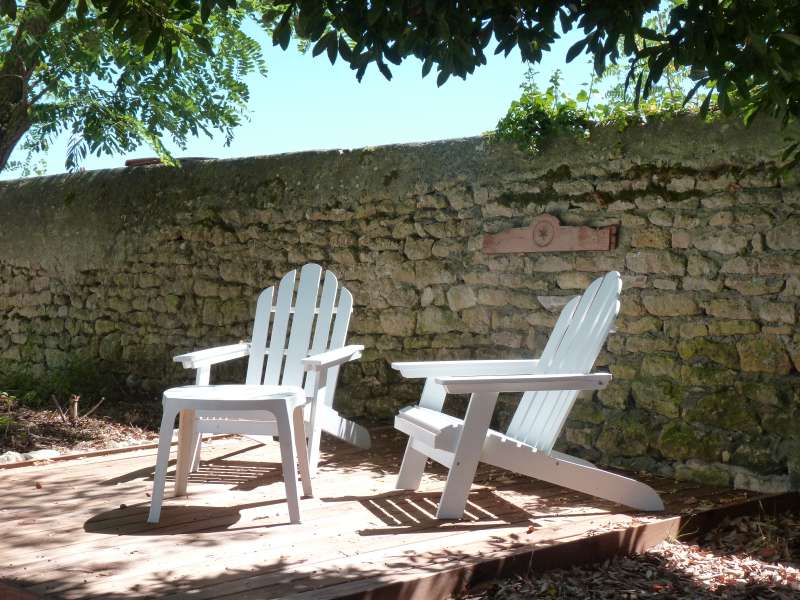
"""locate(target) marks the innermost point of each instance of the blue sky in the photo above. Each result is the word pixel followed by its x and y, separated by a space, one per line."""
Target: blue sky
pixel 304 103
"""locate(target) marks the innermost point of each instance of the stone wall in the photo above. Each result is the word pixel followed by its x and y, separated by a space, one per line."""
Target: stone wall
pixel 131 266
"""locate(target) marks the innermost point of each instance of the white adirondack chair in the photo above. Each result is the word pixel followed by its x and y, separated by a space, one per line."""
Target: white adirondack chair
pixel 549 385
pixel 301 331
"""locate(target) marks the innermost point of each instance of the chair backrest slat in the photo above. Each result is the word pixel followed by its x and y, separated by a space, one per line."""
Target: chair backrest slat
pixel 528 408
pixel 293 320
pixel 571 350
pixel 279 328
pixel 258 342
pixel 302 321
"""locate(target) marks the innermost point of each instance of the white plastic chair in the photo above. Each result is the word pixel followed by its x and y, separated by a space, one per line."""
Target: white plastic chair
pixel 549 385
pixel 301 332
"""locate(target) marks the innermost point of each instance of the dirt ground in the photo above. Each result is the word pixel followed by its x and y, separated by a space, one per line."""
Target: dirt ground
pixel 24 430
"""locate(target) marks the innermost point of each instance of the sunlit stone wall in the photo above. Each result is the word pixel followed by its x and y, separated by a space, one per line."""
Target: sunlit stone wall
pixel 130 266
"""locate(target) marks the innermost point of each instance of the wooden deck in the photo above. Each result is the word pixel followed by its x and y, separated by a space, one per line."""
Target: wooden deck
pixel 76 528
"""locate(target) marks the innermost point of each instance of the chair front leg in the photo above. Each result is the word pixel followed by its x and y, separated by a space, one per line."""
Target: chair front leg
pixel 413 465
pixel 467 455
pixel 162 462
pixel 288 458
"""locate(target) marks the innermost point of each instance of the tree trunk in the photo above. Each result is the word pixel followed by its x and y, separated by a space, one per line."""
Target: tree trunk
pixel 16 67
pixel 14 120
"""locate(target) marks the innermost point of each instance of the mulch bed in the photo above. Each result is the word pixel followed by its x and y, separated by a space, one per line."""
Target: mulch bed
pixel 746 557
pixel 23 430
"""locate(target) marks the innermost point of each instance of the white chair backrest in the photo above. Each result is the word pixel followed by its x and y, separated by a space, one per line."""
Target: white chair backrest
pixel 297 321
pixel 574 344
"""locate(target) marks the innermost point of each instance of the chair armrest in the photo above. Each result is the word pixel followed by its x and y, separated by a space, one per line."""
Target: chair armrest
pixel 332 358
pixel 212 356
pixel 454 368
pixel 524 383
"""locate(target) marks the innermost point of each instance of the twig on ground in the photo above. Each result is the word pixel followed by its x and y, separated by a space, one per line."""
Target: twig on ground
pixel 95 407
pixel 60 410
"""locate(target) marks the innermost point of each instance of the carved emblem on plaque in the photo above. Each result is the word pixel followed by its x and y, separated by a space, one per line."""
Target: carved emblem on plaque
pixel 546 234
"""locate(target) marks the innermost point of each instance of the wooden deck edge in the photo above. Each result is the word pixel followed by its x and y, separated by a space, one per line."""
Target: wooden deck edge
pixel 533 559
pixel 95 453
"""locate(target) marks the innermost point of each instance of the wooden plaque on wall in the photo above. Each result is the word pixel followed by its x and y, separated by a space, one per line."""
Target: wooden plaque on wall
pixel 546 234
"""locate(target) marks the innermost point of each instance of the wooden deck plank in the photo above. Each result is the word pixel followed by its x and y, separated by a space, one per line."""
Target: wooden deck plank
pixel 69 538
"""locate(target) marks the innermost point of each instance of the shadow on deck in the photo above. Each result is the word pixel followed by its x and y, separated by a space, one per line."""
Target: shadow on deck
pixel 76 528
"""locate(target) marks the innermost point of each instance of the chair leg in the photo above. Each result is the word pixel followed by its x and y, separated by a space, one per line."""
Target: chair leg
pixel 288 461
pixel 197 446
pixel 162 462
pixel 314 433
pixel 302 450
pixel 467 455
pixel 411 469
pixel 186 439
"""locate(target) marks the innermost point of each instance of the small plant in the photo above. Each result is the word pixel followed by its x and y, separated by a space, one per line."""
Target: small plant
pixel 6 414
pixel 77 378
pixel 538 115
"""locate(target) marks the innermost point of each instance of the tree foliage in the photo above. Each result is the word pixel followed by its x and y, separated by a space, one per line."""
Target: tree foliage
pixel 112 89
pixel 746 53
pixel 744 48
pixel 605 100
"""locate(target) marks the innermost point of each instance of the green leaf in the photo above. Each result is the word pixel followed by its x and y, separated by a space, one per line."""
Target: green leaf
pixel 58 10
pixel 151 42
pixel 426 66
pixel 442 78
pixel 705 105
pixel 333 45
pixel 344 49
pixel 576 49
pixel 205 45
pixel 566 23
pixel 283 31
pixel 384 69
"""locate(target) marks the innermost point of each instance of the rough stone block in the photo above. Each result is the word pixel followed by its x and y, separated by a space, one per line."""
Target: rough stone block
pixel 764 354
pixel 669 304
pixel 754 286
pixel 658 395
pixel 650 238
pixel 418 249
pixel 777 312
pixel 725 410
pixel 719 352
pixel 571 280
pixel 709 474
pixel 624 434
pixel 437 320
pixel 722 242
pixel 460 297
pixel 734 327
pixel 785 236
pixel 655 261
pixel 728 309
pixel 398 322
